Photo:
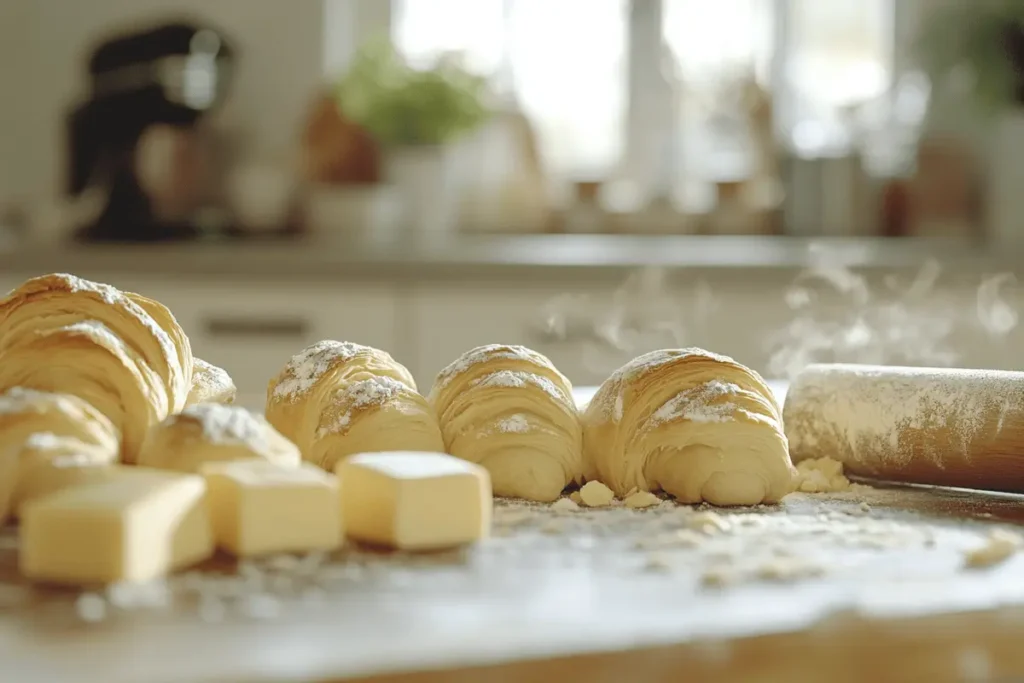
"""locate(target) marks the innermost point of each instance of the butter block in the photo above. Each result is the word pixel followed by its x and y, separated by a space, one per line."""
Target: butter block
pixel 135 527
pixel 414 501
pixel 259 508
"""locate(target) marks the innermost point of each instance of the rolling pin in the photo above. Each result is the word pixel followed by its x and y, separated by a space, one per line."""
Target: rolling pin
pixel 939 426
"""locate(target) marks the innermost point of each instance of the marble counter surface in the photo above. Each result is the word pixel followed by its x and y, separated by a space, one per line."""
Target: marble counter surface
pixel 491 256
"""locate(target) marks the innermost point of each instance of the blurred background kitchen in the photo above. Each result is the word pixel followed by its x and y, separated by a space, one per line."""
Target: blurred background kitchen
pixel 779 180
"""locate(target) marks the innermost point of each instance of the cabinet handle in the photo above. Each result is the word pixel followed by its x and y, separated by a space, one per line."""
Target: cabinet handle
pixel 230 326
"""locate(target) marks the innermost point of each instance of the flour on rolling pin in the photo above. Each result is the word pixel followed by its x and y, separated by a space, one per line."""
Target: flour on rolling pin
pixel 880 420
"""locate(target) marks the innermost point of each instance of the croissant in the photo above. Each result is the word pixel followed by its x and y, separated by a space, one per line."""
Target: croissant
pixel 692 423
pixel 35 426
pixel 121 352
pixel 335 399
pixel 212 432
pixel 210 384
pixel 509 409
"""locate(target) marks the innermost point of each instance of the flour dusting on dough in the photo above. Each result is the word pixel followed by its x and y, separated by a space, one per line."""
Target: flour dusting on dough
pixel 306 368
pixel 883 413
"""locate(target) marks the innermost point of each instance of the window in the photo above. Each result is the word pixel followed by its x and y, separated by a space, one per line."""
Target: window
pixel 658 91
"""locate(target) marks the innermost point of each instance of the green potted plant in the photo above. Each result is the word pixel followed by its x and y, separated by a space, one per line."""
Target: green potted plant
pixel 415 115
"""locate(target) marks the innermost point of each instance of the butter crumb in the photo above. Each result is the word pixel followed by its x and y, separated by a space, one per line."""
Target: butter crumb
pixel 999 546
pixel 821 475
pixel 642 499
pixel 576 498
pixel 594 494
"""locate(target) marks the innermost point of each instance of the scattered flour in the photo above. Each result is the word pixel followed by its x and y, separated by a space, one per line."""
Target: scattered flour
pixel 489 352
pixel 375 391
pixel 18 399
pixel 700 404
pixel 306 368
pixel 518 378
pixel 114 297
pixel 513 424
pixel 609 399
pixel 223 424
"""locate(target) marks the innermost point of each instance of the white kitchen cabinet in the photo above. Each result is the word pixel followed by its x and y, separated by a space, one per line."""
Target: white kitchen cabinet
pixel 588 335
pixel 252 330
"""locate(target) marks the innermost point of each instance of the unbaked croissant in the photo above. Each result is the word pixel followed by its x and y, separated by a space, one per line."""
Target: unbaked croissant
pixel 336 399
pixel 509 409
pixel 121 352
pixel 212 432
pixel 210 384
pixel 35 426
pixel 697 425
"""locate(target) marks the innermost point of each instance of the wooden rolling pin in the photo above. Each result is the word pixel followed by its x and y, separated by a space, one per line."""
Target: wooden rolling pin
pixel 947 427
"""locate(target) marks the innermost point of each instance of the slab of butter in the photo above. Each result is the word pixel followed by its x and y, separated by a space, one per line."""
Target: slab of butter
pixel 135 526
pixel 259 508
pixel 414 501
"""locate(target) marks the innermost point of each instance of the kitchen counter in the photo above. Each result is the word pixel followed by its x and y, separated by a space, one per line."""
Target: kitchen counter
pixel 868 584
pixel 495 256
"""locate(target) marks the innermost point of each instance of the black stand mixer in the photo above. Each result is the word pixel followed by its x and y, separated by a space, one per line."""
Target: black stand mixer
pixel 134 139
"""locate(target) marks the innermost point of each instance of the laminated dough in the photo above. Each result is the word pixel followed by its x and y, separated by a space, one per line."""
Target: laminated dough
pixel 335 399
pixel 509 409
pixel 692 423
pixel 210 384
pixel 214 432
pixel 38 417
pixel 123 353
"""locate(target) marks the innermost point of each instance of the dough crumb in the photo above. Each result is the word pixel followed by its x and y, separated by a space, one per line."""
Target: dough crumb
pixel 552 528
pixel 708 523
pixel 658 562
pixel 684 538
pixel 718 577
pixel 821 475
pixel 642 499
pixel 999 546
pixel 565 505
pixel 576 497
pixel 788 569
pixel 510 517
pixel 91 607
pixel 594 494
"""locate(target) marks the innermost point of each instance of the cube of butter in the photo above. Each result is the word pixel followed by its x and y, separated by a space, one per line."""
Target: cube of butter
pixel 258 507
pixel 414 501
pixel 134 527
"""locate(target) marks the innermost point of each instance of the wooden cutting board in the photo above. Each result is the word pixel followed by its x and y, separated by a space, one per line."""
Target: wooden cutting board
pixel 838 588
